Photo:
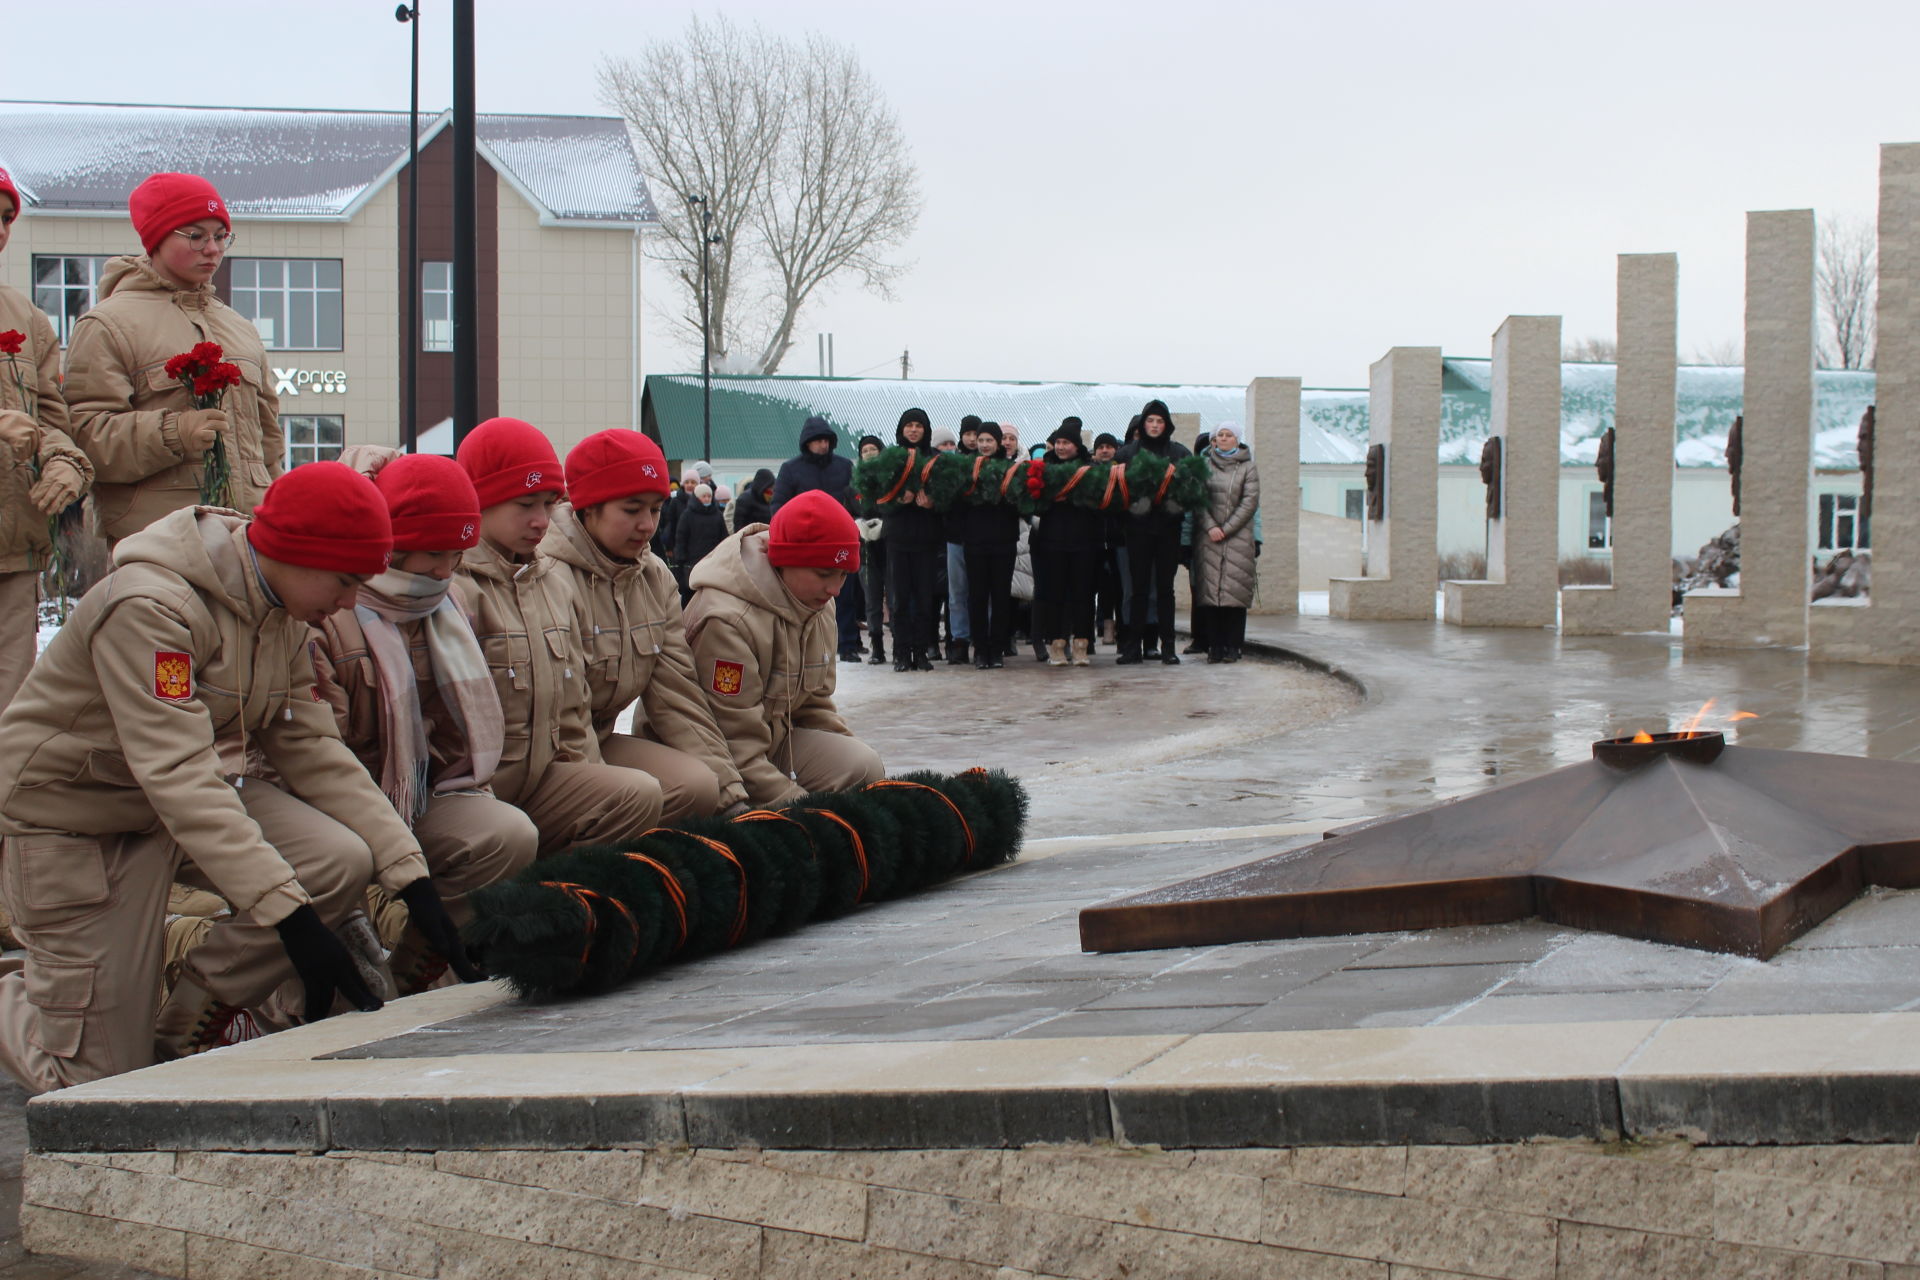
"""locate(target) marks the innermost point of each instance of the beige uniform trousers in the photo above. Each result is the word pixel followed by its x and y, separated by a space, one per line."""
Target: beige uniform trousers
pixel 471 841
pixel 824 761
pixel 90 911
pixel 688 789
pixel 590 804
pixel 19 630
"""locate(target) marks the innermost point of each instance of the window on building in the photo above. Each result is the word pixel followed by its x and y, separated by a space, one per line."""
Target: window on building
pixel 1356 504
pixel 1841 528
pixel 313 437
pixel 293 302
pixel 436 306
pixel 1599 528
pixel 63 288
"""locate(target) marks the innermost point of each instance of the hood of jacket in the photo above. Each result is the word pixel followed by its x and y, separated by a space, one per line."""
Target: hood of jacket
pixel 818 428
pixel 569 542
pixel 740 568
pixel 131 274
pixel 1157 444
pixel 208 548
pixel 761 485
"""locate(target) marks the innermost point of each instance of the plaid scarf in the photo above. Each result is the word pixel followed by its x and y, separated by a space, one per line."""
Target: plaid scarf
pixel 459 672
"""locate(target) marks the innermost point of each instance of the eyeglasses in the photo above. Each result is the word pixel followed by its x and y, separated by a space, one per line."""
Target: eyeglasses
pixel 221 240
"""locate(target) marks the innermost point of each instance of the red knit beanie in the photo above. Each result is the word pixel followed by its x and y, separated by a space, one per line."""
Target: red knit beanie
pixel 10 191
pixel 165 202
pixel 323 515
pixel 433 504
pixel 507 458
pixel 615 464
pixel 811 530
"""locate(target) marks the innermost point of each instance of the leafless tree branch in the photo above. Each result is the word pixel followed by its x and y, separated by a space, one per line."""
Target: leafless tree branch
pixel 1846 277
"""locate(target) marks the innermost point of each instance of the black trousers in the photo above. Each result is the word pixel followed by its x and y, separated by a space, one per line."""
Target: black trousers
pixel 851 604
pixel 1106 586
pixel 1153 558
pixel 913 573
pixel 990 598
pixel 1063 607
pixel 873 582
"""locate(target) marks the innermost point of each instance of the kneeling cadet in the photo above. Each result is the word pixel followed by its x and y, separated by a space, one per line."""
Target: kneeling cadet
pixel 527 617
pixel 410 691
pixel 631 628
pixel 111 787
pixel 762 627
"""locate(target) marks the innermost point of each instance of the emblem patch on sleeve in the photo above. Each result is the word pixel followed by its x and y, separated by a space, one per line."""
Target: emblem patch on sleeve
pixel 172 675
pixel 726 678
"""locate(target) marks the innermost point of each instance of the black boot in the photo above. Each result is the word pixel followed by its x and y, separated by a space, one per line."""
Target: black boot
pixel 1129 654
pixel 1216 654
pixel 879 653
pixel 921 662
pixel 902 658
pixel 1168 657
pixel 957 654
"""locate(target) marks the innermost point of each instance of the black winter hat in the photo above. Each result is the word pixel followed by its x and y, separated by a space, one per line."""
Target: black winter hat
pixel 873 440
pixel 991 429
pixel 915 415
pixel 1068 430
pixel 970 423
pixel 1071 421
pixel 1106 438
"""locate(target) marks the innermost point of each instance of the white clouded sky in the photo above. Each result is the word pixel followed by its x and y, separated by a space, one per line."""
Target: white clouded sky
pixel 1192 191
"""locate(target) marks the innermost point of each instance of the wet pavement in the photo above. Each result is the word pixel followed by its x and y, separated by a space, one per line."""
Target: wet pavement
pixel 1240 761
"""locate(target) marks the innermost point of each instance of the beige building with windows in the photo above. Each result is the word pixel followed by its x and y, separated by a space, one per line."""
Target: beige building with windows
pixel 319 207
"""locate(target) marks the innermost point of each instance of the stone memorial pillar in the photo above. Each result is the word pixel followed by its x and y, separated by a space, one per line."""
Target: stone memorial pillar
pixel 1640 597
pixel 1402 551
pixel 1273 432
pixel 1885 626
pixel 1523 540
pixel 1769 607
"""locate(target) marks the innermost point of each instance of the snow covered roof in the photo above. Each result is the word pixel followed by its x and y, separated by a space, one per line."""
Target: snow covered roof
pixel 274 163
pixel 761 417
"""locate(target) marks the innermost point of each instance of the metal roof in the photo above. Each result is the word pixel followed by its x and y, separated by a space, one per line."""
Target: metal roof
pixel 761 417
pixel 274 163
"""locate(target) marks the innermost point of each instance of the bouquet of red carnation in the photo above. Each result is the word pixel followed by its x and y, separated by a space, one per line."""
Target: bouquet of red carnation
pixel 11 343
pixel 206 375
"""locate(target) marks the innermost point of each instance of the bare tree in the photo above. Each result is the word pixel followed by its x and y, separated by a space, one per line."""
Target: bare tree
pixel 1846 276
pixel 801 162
pixel 1591 350
pixel 1727 351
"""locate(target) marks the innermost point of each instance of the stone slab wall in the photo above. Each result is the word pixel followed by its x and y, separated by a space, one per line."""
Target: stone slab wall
pixel 1535 1211
pixel 1403 413
pixel 1641 595
pixel 1770 607
pixel 1887 627
pixel 1523 542
pixel 1273 432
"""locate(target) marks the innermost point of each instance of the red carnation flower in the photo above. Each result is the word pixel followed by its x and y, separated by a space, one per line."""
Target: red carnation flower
pixel 11 341
pixel 207 353
pixel 180 365
pixel 229 374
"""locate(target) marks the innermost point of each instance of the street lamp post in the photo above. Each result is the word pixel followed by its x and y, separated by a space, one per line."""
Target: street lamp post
pixel 411 14
pixel 706 330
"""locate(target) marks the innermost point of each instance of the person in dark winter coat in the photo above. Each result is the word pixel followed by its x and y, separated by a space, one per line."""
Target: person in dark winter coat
pixel 1152 541
pixel 1067 545
pixel 915 548
pixel 817 466
pixel 873 563
pixel 702 527
pixel 988 534
pixel 1109 607
pixel 755 503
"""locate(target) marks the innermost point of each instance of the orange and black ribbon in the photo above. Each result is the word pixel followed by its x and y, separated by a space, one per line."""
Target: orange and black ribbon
pixel 944 799
pixel 676 895
pixel 859 847
pixel 739 928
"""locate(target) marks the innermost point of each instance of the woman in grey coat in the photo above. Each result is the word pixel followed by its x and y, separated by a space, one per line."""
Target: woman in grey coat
pixel 1223 547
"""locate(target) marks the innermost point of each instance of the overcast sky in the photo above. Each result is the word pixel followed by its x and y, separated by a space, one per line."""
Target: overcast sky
pixel 1191 191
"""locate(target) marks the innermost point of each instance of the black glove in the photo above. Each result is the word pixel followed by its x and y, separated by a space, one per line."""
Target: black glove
pixel 323 964
pixel 431 918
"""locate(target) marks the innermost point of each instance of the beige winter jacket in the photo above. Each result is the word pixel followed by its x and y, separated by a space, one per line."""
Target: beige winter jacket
pixel 637 648
pixel 525 615
pixel 765 662
pixel 1226 571
pixel 30 384
pixel 345 676
pixel 126 409
pixel 115 728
